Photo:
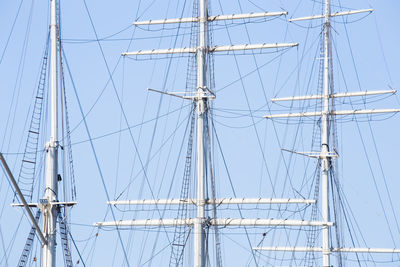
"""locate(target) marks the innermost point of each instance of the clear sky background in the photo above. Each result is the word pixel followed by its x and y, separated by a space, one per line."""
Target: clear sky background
pixel 365 57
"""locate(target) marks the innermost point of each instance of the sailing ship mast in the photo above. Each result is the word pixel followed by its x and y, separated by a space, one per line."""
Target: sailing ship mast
pixel 50 211
pixel 201 98
pixel 49 205
pixel 326 155
pixel 201 104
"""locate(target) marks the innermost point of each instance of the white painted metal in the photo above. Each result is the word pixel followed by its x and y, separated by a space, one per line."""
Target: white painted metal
pixel 183 95
pixel 199 258
pixel 211 18
pixel 161 51
pixel 165 21
pixel 221 222
pixel 314 154
pixel 364 111
pixel 292 115
pixel 199 223
pixel 338 95
pixel 228 48
pixel 49 211
pixel 365 93
pixel 344 13
pixel 367 250
pixel 319 249
pixel 53 71
pixel 333 112
pixel 225 48
pixel 172 201
pixel 294 249
pixel 22 198
pixel 267 222
pixel 325 155
pixel 218 201
pixel 149 222
pixel 246 16
pixel 325 161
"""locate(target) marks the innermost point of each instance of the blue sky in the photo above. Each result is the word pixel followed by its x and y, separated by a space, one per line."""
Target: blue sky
pixel 251 145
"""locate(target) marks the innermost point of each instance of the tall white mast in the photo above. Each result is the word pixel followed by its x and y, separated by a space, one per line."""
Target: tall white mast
pixel 50 210
pixel 325 155
pixel 325 159
pixel 199 235
pixel 201 96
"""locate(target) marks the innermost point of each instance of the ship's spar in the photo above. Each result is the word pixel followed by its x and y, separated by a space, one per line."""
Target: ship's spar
pixel 202 98
pixel 50 205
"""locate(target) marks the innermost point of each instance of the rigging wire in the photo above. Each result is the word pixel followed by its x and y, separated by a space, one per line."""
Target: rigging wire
pixel 382 51
pixel 4 247
pixel 124 129
pixel 213 195
pixel 94 150
pixel 188 87
pixel 154 130
pixel 375 147
pixel 76 248
pixel 181 232
pixel 15 95
pixel 257 69
pixel 19 76
pixel 231 185
pixel 105 38
pixel 11 31
pixel 109 38
pixel 120 129
pixel 336 185
pixel 143 166
pixel 10 246
pixel 262 85
pixel 97 99
pixel 248 104
pixel 250 72
pixel 171 136
pixel 120 126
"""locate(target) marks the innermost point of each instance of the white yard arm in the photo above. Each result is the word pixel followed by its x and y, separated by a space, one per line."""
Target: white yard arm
pixel 338 95
pixel 344 13
pixel 335 112
pixel 221 222
pixel 211 18
pixel 319 249
pixel 224 48
pixel 218 201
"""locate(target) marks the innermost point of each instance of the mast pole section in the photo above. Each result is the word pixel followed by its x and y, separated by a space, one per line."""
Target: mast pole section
pixel 53 71
pixel 49 210
pixel 325 163
pixel 202 51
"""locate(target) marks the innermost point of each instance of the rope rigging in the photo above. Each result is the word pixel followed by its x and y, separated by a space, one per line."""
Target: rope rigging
pixel 23 260
pixel 181 232
pixel 150 168
pixel 28 167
